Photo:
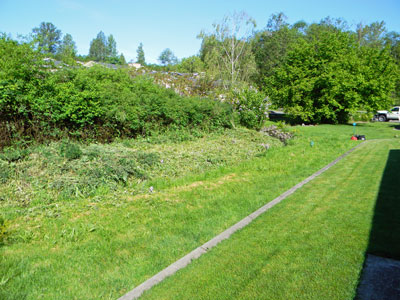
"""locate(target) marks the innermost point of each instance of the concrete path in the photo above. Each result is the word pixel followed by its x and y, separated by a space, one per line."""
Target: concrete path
pixel 187 259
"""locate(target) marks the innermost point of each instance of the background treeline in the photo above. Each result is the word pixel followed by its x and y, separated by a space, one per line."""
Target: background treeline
pixel 318 73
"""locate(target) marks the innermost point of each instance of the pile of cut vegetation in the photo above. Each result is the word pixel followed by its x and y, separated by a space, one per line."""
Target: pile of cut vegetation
pixel 65 170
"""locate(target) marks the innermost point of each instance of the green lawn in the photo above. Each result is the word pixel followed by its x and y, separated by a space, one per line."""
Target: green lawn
pixel 101 246
pixel 312 245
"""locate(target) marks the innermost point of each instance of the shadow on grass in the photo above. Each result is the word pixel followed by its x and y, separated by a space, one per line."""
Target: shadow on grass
pixel 397 127
pixel 384 239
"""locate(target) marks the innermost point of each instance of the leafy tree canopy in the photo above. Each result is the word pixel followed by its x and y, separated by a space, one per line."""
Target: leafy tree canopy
pixel 111 47
pixel 47 37
pixel 191 64
pixel 270 46
pixel 104 48
pixel 67 50
pixel 121 60
pixel 167 57
pixel 140 55
pixel 328 76
pixel 226 51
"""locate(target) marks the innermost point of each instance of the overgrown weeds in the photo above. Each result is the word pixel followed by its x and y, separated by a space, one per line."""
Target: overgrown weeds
pixel 3 230
pixel 65 170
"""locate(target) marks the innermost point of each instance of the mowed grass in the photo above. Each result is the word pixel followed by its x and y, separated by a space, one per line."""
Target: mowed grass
pixel 102 246
pixel 312 245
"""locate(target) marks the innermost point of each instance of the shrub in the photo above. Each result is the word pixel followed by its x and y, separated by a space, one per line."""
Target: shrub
pixel 362 116
pixel 251 107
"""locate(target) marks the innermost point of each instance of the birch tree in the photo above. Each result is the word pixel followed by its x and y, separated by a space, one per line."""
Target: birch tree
pixel 227 52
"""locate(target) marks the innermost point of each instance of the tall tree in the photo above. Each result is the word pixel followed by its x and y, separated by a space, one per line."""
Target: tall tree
pixel 121 59
pixel 227 51
pixel 276 22
pixel 372 35
pixel 67 49
pixel 47 37
pixel 328 76
pixel 392 40
pixel 271 45
pixel 111 47
pixel 140 55
pixel 98 47
pixel 167 57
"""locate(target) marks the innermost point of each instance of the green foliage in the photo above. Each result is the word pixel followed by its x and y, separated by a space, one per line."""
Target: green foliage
pixel 251 107
pixel 54 172
pixel 5 171
pixel 328 77
pixel 167 57
pixel 270 46
pixel 140 55
pixel 149 159
pixel 111 170
pixel 121 59
pixel 362 116
pixel 104 49
pixel 98 47
pixel 3 230
pixel 47 37
pixel 371 35
pixel 21 74
pixel 226 52
pixel 99 102
pixel 70 150
pixel 192 64
pixel 12 154
pixel 111 47
pixel 67 50
pixel 392 40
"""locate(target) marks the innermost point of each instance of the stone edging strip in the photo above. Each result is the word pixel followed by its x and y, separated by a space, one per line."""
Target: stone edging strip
pixel 187 259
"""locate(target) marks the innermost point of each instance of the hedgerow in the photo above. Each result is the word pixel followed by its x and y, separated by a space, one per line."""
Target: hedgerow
pixel 38 101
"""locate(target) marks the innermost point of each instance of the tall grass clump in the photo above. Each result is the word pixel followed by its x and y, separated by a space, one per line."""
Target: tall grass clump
pixel 3 230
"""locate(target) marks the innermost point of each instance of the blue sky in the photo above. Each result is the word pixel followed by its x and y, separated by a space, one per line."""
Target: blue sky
pixel 175 24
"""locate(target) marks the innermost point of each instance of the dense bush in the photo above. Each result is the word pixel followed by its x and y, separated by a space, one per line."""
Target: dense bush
pixel 97 96
pixel 328 77
pixel 95 101
pixel 251 107
pixel 362 116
